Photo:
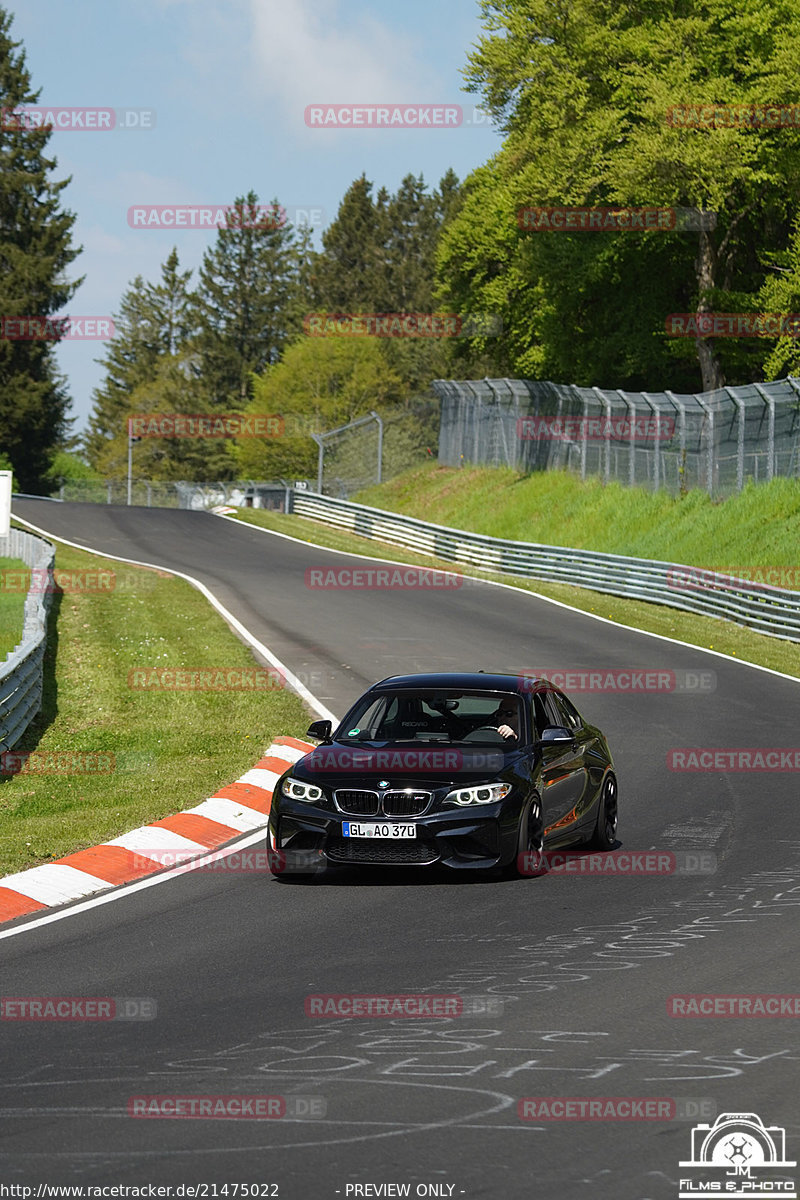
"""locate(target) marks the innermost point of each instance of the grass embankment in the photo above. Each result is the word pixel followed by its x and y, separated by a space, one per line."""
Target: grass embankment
pixel 758 528
pixel 12 604
pixel 169 749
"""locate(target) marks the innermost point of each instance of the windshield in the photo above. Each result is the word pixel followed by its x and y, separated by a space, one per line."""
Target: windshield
pixel 449 717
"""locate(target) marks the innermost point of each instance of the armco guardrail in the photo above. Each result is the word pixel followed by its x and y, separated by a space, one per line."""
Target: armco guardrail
pixel 22 672
pixel 771 610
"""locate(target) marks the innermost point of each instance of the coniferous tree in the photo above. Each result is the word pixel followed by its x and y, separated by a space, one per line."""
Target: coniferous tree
pixel 129 361
pixel 35 251
pixel 247 284
pixel 348 274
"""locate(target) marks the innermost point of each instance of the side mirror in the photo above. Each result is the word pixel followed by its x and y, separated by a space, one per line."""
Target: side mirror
pixel 321 730
pixel 556 734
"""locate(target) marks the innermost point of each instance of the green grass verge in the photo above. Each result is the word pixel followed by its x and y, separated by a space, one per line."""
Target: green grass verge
pixel 171 749
pixel 12 604
pixel 759 527
pixel 708 632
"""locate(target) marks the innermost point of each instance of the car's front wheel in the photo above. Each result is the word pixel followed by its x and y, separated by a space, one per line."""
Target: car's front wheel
pixel 530 859
pixel 290 866
pixel 605 831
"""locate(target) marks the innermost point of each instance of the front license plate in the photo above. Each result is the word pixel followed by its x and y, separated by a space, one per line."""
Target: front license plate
pixel 386 829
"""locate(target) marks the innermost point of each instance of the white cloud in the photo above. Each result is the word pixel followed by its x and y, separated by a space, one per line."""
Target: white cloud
pixel 306 53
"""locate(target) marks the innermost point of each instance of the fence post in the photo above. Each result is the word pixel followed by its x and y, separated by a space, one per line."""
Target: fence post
pixel 710 436
pixel 607 447
pixel 477 412
pixel 380 445
pixel 770 402
pixel 656 458
pixel 740 411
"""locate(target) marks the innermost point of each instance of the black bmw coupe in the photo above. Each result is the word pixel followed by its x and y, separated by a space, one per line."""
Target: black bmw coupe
pixel 469 770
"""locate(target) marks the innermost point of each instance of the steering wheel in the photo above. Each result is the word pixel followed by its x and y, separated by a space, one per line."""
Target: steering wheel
pixel 498 738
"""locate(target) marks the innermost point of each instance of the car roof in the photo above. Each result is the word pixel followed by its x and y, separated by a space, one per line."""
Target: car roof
pixel 481 681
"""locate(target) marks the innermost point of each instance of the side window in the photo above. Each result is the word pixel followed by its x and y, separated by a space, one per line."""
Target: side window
pixel 540 715
pixel 554 717
pixel 569 717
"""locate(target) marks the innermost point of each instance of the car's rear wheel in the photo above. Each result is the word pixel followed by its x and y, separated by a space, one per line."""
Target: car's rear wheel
pixel 605 831
pixel 529 859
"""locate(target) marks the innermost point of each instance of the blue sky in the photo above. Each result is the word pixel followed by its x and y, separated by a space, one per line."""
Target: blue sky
pixel 229 81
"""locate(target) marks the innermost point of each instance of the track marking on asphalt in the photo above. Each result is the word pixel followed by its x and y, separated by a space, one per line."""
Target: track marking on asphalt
pixel 241 629
pixel 129 888
pixel 248 840
pixel 662 637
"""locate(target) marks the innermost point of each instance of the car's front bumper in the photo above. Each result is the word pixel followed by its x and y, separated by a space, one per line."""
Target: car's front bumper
pixel 476 836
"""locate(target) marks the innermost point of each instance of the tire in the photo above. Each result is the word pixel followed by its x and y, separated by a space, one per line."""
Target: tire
pixel 529 859
pixel 277 862
pixel 605 831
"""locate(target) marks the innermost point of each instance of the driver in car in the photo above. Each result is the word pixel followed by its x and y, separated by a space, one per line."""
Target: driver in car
pixel 507 716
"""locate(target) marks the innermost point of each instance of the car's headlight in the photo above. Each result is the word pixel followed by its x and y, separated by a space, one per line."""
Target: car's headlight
pixel 295 789
pixel 484 793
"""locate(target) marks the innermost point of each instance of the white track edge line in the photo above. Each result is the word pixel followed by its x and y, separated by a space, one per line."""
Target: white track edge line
pixel 662 637
pixel 245 633
pixel 121 890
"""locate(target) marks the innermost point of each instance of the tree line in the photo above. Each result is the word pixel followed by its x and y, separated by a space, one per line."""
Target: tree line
pixel 663 104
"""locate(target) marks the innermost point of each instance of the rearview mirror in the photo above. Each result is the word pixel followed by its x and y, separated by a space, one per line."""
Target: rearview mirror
pixel 557 733
pixel 321 730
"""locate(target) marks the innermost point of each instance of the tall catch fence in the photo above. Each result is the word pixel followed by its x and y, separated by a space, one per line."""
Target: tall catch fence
pixel 711 440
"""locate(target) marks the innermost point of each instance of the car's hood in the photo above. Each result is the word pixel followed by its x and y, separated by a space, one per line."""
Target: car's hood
pixel 404 766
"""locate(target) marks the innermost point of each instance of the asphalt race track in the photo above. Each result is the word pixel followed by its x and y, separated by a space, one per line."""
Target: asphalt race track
pixel 578 969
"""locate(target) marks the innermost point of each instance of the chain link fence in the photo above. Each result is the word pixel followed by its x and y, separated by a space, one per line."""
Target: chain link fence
pixel 711 440
pixel 409 436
